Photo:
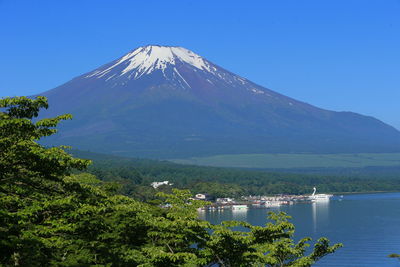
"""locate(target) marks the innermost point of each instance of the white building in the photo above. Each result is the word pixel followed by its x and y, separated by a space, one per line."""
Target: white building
pixel 225 200
pixel 158 184
pixel 201 196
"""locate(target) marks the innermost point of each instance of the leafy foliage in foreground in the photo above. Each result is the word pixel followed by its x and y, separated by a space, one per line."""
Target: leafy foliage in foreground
pixel 50 217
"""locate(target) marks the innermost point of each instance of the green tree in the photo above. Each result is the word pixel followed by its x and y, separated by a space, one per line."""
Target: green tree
pixel 47 215
pixel 28 173
pixel 51 217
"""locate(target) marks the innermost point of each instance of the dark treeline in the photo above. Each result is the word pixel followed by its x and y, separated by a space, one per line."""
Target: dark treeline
pixel 369 172
pixel 137 174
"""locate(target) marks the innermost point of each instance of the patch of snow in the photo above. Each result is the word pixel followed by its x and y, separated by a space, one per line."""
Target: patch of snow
pixel 110 77
pixel 177 72
pixel 254 90
pixel 92 74
pixel 241 80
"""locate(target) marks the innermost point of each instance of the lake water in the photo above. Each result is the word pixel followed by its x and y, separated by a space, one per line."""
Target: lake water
pixel 367 224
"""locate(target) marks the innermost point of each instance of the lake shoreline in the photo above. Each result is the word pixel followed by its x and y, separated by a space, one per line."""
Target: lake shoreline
pixel 363 192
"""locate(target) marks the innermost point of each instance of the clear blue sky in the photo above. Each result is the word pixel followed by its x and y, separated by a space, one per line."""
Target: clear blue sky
pixel 342 55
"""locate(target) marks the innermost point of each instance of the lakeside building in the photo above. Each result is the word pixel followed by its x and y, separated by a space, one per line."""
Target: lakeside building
pixel 155 185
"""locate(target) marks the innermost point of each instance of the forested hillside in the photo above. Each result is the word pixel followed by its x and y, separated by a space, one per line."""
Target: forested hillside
pixel 137 174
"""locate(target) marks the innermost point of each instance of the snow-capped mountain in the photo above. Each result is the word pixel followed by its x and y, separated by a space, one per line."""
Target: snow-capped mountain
pixel 163 101
pixel 174 64
pixel 145 60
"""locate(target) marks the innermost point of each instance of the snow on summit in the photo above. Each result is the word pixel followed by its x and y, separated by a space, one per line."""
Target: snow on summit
pixel 179 67
pixel 144 60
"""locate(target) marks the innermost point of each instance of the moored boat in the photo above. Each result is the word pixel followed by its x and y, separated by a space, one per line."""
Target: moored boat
pixel 319 197
pixel 239 207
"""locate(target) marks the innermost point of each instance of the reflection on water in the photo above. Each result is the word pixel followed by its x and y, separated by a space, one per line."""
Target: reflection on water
pixel 215 216
pixel 239 215
pixel 320 212
pixel 314 216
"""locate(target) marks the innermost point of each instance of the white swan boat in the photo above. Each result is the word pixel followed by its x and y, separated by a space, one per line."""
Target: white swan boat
pixel 319 197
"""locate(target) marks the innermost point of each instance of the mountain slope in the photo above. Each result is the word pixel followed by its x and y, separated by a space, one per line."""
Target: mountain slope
pixel 163 102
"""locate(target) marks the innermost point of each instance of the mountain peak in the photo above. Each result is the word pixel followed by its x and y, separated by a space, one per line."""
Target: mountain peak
pixel 146 59
pixel 168 102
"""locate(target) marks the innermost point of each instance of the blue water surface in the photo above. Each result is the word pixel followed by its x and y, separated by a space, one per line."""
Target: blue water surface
pixel 367 224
